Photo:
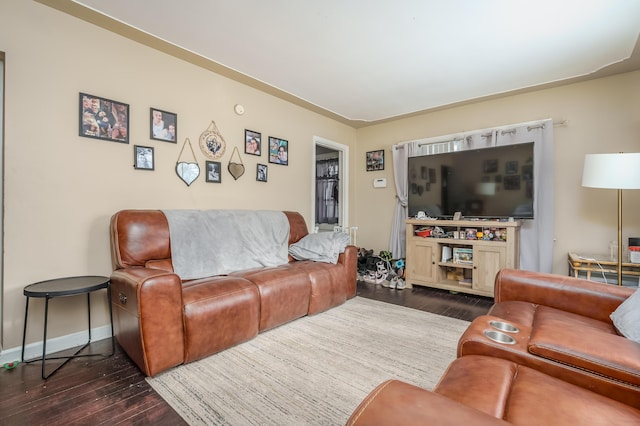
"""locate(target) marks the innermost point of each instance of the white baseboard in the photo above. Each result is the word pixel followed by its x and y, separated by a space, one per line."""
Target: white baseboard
pixel 34 350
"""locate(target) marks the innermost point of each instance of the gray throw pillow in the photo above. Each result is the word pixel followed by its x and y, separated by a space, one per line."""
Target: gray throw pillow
pixel 320 247
pixel 627 317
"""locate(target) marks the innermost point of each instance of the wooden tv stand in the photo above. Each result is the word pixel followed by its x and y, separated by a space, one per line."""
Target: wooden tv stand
pixel 476 262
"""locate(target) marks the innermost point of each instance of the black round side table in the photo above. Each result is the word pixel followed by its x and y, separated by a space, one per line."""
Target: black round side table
pixel 63 287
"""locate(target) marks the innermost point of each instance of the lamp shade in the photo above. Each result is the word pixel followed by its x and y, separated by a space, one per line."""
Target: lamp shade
pixel 612 171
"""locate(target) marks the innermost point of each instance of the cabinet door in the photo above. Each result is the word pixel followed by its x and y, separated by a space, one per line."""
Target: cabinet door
pixel 423 268
pixel 487 262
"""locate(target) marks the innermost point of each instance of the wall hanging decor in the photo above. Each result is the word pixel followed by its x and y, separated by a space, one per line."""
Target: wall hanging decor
pixel 163 126
pixel 212 143
pixel 261 173
pixel 187 171
pixel 278 151
pixel 375 160
pixel 214 171
pixel 235 169
pixel 252 142
pixel 102 118
pixel 143 157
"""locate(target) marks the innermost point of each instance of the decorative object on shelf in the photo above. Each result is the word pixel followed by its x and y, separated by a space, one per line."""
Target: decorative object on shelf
pixel 235 169
pixel 143 157
pixel 188 172
pixel 375 160
pixel 261 172
pixel 102 118
pixel 252 142
pixel 214 171
pixel 212 143
pixel 613 171
pixel 163 125
pixel 278 151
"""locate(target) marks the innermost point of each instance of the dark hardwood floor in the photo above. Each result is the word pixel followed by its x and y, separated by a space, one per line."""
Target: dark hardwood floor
pixel 112 391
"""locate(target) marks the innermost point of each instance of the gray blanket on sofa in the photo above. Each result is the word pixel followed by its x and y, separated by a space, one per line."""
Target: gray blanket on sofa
pixel 205 243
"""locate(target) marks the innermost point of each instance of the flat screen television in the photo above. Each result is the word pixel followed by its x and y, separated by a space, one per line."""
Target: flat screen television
pixel 495 182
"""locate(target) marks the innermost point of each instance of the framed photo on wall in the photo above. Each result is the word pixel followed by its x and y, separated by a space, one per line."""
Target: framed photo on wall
pixel 214 171
pixel 252 142
pixel 375 160
pixel 261 172
pixel 278 151
pixel 163 126
pixel 143 157
pixel 103 118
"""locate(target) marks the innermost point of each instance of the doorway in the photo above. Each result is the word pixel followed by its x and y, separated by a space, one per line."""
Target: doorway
pixel 330 185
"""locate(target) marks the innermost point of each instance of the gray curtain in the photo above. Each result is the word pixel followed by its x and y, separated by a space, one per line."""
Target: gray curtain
pixel 397 241
pixel 536 235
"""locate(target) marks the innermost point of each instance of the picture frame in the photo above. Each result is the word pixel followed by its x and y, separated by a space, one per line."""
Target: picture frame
pixel 261 172
pixel 214 171
pixel 375 160
pixel 511 168
pixel 252 142
pixel 102 118
pixel 278 151
pixel 432 175
pixel 143 157
pixel 490 166
pixel 511 183
pixel 163 125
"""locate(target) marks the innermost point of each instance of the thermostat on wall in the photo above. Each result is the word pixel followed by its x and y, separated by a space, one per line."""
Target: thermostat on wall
pixel 380 183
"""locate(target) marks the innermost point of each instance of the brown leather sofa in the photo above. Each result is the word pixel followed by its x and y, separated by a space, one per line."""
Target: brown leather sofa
pixel 162 321
pixel 565 363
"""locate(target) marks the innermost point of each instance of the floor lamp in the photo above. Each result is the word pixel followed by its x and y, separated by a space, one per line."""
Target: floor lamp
pixel 613 171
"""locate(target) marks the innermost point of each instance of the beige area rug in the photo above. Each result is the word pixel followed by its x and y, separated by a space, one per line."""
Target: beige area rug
pixel 314 370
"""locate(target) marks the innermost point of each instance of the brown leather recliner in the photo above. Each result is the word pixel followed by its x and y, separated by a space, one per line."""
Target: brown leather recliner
pixel 556 358
pixel 564 331
pixel 162 321
pixel 481 390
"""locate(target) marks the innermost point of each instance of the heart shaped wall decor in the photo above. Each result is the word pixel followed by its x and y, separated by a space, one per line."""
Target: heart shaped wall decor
pixel 188 172
pixel 236 170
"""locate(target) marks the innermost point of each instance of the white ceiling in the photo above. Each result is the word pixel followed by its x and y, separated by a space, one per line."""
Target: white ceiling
pixel 370 60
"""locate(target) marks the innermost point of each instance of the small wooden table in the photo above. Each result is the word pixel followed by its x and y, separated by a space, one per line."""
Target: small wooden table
pixel 62 287
pixel 599 264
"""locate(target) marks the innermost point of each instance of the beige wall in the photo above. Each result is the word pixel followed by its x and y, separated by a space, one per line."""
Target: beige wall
pixel 601 115
pixel 61 189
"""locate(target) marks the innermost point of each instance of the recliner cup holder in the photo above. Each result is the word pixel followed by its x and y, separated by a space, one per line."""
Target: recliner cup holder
pixel 499 337
pixel 504 326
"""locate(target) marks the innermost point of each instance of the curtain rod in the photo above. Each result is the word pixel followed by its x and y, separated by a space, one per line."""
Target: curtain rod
pixel 504 132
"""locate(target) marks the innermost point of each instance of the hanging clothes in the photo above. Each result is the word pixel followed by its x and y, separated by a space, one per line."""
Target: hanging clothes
pixel 327 187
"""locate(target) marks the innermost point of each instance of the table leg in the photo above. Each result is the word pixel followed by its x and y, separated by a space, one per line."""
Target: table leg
pixel 44 337
pixel 24 330
pixel 89 314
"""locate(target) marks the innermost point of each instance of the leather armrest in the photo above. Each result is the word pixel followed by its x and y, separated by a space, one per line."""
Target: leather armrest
pixel 398 403
pixel 350 261
pixel 148 317
pixel 601 353
pixel 587 298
